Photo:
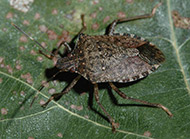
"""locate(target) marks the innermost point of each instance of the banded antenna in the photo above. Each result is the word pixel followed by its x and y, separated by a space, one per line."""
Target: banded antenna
pixel 19 29
pixel 42 86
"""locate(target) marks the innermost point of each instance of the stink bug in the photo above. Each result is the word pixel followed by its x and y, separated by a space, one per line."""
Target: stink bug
pixel 109 58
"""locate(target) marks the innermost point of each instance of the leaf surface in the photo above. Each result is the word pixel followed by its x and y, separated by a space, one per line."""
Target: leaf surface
pixel 22 69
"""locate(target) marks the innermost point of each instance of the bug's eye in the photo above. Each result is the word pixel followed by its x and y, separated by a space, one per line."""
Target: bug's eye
pixel 65 64
pixel 72 70
pixel 60 63
pixel 81 35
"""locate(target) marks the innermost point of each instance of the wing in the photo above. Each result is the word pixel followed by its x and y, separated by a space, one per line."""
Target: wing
pixel 132 68
pixel 110 61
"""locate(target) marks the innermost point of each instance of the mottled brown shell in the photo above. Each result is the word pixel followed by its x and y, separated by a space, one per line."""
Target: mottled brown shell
pixel 115 58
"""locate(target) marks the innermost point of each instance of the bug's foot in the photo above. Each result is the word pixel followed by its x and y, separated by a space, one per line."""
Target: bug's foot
pixel 44 105
pixel 165 109
pixel 48 56
pixel 53 97
pixel 50 99
pixel 114 126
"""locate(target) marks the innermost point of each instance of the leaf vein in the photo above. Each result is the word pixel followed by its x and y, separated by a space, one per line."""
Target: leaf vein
pixel 173 38
pixel 186 41
pixel 70 112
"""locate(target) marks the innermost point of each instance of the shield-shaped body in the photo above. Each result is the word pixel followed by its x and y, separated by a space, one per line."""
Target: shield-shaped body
pixel 113 58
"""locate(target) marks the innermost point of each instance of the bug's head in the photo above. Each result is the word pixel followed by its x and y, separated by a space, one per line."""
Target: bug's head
pixel 66 64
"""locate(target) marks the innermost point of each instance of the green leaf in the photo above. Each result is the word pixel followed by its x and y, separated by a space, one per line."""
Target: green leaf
pixel 22 69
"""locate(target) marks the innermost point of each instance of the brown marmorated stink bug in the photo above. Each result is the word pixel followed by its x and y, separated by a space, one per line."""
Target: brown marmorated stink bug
pixel 109 58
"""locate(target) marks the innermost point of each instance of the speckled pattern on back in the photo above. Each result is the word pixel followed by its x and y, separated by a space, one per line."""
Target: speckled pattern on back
pixel 116 58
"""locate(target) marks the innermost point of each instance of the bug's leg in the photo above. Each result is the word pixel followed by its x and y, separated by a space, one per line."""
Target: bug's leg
pixel 35 97
pixel 73 41
pixel 65 43
pixel 57 96
pixel 51 56
pixel 114 125
pixel 42 86
pixel 121 20
pixel 46 55
pixel 140 101
pixel 83 25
